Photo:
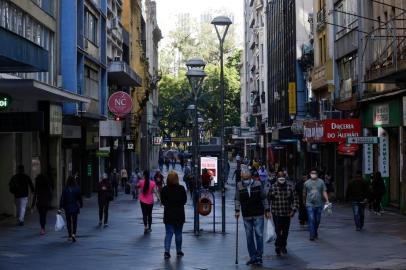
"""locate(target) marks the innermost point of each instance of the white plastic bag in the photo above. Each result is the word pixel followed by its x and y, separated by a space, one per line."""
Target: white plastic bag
pixel 328 209
pixel 60 223
pixel 270 231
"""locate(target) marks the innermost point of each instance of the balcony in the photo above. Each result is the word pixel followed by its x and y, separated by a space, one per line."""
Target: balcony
pixel 18 54
pixel 321 76
pixel 121 74
pixel 251 2
pixel 252 20
pixel 260 4
pixel 321 19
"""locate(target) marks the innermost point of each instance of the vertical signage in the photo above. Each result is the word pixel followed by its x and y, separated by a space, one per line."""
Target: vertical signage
pixel 292 98
pixel 368 156
pixel 383 152
pixel 381 115
pixel 55 119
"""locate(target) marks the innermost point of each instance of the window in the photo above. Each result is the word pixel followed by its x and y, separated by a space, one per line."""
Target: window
pixel 348 75
pixel 91 83
pixel 91 27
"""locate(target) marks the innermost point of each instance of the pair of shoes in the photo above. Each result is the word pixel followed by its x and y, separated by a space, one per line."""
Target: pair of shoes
pixel 258 261
pixel 73 238
pixel 149 230
pixel 42 232
pixel 278 251
pixel 284 250
pixel 100 223
pixel 251 261
pixel 311 238
pixel 106 225
pixel 180 254
pixel 167 255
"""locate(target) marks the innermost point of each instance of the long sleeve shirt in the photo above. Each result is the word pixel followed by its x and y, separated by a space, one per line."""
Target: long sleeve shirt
pixel 283 199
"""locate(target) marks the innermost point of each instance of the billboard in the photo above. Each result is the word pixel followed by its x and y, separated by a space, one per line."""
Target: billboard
pixel 210 163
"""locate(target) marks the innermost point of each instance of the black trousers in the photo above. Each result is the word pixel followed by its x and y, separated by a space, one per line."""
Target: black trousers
pixel 147 214
pixel 302 214
pixel 377 202
pixel 115 189
pixel 71 223
pixel 282 225
pixel 42 211
pixel 104 211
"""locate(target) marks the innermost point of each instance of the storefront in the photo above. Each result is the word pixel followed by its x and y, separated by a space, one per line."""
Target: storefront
pixel 384 120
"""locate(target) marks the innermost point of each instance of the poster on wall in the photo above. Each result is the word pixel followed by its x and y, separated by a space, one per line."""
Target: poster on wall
pixel 383 152
pixel 210 163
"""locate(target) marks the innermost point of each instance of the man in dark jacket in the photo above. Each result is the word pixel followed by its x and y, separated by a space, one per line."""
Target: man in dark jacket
pixel 283 201
pixel 19 186
pixel 250 198
pixel 105 195
pixel 302 204
pixel 357 193
pixel 114 182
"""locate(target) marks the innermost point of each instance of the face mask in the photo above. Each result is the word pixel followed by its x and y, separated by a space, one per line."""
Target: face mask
pixel 313 176
pixel 281 180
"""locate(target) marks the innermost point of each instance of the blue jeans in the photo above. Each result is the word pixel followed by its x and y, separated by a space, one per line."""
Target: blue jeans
pixel 254 228
pixel 358 209
pixel 170 230
pixel 314 217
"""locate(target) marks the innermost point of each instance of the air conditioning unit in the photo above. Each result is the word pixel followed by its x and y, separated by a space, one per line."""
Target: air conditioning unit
pixel 59 81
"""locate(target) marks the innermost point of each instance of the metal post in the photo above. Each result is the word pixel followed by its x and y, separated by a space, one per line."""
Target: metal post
pixel 223 192
pixel 195 169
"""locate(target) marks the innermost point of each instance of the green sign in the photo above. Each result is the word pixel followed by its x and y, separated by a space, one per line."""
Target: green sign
pixel 102 153
pixel 89 169
pixel 5 101
pixel 362 140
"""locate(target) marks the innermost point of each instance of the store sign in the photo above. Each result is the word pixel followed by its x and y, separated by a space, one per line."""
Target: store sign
pixel 362 140
pixel 368 159
pixel 292 98
pixel 209 163
pixel 337 130
pixel 157 140
pixel 381 115
pixel 383 152
pixel 313 131
pixel 347 149
pixel 55 120
pixel 111 128
pixel 120 103
pixel 130 146
pixel 5 101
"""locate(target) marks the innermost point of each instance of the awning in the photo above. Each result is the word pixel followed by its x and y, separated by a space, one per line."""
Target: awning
pixel 35 90
pixel 384 95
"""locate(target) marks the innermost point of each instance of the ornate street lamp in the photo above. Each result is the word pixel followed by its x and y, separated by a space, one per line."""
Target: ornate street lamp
pixel 195 75
pixel 221 24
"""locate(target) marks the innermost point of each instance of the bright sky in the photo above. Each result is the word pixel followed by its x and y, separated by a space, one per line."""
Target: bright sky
pixel 168 9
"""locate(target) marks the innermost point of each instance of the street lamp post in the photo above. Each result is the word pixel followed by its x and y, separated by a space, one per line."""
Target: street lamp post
pixel 221 24
pixel 195 75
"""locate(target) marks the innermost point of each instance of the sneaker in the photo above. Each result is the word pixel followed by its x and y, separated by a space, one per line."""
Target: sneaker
pixel 73 238
pixel 167 255
pixel 251 262
pixel 284 251
pixel 258 261
pixel 180 254
pixel 278 251
pixel 311 238
pixel 106 225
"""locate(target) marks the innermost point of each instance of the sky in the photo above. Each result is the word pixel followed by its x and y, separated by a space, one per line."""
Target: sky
pixel 168 9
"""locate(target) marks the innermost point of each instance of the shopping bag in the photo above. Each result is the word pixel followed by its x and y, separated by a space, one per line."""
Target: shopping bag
pixel 328 209
pixel 270 231
pixel 60 223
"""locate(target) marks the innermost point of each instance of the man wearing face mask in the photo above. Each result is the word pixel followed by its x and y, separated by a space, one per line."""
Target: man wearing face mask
pixel 284 204
pixel 251 198
pixel 314 191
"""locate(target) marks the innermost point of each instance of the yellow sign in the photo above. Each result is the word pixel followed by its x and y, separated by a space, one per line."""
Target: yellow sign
pixel 292 98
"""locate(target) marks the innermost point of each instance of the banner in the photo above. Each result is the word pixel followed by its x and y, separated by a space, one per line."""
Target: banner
pixel 337 130
pixel 210 163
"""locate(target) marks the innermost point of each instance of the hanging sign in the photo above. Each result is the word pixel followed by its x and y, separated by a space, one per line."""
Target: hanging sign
pixel 347 149
pixel 313 131
pixel 120 103
pixel 209 163
pixel 383 152
pixel 337 130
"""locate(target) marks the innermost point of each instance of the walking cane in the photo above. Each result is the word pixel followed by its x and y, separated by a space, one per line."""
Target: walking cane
pixel 236 245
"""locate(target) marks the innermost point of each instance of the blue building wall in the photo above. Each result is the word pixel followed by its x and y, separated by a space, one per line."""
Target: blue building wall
pixel 301 92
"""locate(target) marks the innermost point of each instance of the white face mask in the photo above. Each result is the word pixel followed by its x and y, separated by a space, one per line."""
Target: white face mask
pixel 281 180
pixel 313 176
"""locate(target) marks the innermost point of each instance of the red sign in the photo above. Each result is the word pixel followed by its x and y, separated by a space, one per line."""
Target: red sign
pixel 313 131
pixel 337 130
pixel 347 149
pixel 120 103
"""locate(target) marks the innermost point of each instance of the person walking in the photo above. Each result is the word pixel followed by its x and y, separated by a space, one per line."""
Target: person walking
pixel 104 196
pixel 284 203
pixel 161 162
pixel 20 185
pixel 263 174
pixel 124 178
pixel 114 182
pixel 173 198
pixel 378 191
pixel 251 200
pixel 42 199
pixel 133 183
pixel 71 202
pixel 314 191
pixel 302 204
pixel 167 161
pixel 357 194
pixel 159 181
pixel 147 188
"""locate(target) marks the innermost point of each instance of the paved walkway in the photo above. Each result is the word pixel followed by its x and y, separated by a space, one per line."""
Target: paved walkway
pixel 382 245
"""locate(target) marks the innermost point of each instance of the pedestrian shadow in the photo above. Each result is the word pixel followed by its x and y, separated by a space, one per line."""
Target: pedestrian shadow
pixel 176 264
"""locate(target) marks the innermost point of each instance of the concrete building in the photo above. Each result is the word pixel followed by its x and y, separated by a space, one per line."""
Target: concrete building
pixel 84 72
pixel 32 94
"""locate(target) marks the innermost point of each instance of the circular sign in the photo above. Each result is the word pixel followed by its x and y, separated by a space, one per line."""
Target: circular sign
pixel 120 103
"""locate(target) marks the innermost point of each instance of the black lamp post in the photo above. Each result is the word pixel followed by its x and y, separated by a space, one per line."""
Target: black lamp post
pixel 222 23
pixel 195 75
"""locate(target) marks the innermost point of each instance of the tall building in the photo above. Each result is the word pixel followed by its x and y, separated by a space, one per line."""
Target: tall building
pixel 290 58
pixel 32 94
pixel 84 72
pixel 254 103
